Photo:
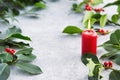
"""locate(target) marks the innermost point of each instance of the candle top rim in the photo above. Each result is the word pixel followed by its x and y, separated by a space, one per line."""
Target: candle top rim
pixel 89 32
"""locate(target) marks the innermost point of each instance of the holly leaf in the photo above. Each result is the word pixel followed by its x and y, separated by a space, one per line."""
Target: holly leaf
pixel 30 68
pixel 13 30
pixel 96 16
pixel 113 47
pixel 78 7
pixel 6 57
pixel 4 71
pixel 96 2
pixel 115 18
pixel 30 57
pixel 118 9
pixel 19 36
pixel 107 55
pixel 90 56
pixel 40 5
pixel 92 21
pixel 113 3
pixel 72 30
pixel 103 20
pixel 114 75
pixel 87 16
pixel 2 48
pixel 115 38
pixel 16 44
pixel 25 51
pixel 95 67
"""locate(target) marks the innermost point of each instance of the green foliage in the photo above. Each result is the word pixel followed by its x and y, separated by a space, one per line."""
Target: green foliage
pixel 72 30
pixel 30 57
pixel 114 75
pixel 113 47
pixel 103 20
pixel 8 38
pixel 4 71
pixel 115 18
pixel 10 9
pixel 96 2
pixel 87 16
pixel 40 5
pixel 95 67
pixel 25 51
pixel 113 3
pixel 30 68
pixel 78 7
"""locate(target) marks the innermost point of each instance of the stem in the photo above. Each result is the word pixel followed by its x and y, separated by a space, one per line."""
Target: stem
pixel 113 22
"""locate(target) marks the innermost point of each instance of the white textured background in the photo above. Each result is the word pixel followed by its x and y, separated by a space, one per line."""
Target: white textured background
pixel 58 54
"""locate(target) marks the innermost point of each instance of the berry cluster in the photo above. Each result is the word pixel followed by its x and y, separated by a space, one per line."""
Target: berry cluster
pixel 102 31
pixel 11 51
pixel 89 8
pixel 98 10
pixel 108 64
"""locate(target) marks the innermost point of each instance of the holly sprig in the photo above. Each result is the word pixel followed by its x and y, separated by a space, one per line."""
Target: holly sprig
pixel 10 9
pixel 17 53
pixel 95 15
pixel 112 46
pixel 96 67
pixel 14 46
pixel 19 58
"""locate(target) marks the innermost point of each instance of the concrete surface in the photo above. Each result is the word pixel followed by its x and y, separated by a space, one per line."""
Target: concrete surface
pixel 58 54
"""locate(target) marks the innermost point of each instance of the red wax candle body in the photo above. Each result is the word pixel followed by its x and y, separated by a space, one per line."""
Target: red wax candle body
pixel 89 42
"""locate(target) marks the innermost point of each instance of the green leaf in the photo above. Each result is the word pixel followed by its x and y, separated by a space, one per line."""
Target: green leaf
pixel 107 55
pixel 90 56
pixel 96 16
pixel 13 30
pixel 15 12
pixel 117 59
pixel 103 20
pixel 2 48
pixel 72 30
pixel 40 5
pixel 87 16
pixel 115 18
pixel 111 48
pixel 16 44
pixel 6 57
pixel 118 9
pixel 78 7
pixel 30 68
pixel 94 69
pixel 30 57
pixel 114 75
pixel 25 51
pixel 113 3
pixel 19 36
pixel 92 21
pixel 115 37
pixel 96 2
pixel 4 71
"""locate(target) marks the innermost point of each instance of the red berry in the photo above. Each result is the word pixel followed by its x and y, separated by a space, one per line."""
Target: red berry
pixel 106 64
pixel 110 63
pixel 7 50
pixel 11 51
pixel 88 7
pixel 98 9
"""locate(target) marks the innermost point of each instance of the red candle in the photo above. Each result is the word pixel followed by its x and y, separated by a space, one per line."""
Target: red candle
pixel 89 42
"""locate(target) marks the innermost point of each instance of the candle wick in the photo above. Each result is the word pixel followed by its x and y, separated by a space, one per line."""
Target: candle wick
pixel 89 27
